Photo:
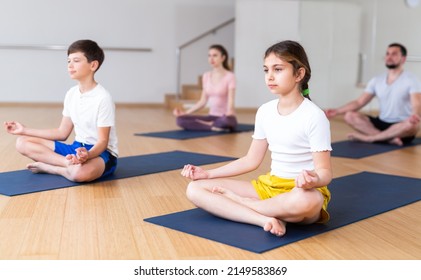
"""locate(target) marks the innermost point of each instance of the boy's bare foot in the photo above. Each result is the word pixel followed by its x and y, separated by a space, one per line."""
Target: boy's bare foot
pixel 37 167
pixel 72 159
pixel 275 226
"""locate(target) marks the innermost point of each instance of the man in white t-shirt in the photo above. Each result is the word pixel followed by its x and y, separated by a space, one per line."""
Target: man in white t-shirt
pixel 90 111
pixel 399 94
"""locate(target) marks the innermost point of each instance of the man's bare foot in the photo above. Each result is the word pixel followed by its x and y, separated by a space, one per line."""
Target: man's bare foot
pixel 360 137
pixel 396 141
pixel 369 139
pixel 275 226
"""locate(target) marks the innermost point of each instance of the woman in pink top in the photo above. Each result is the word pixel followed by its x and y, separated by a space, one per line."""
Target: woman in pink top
pixel 218 91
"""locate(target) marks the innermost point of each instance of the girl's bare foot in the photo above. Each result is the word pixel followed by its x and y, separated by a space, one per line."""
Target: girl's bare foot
pixel 231 195
pixel 272 225
pixel 275 226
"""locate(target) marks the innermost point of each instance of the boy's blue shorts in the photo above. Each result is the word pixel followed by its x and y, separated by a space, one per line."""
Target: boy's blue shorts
pixel 67 149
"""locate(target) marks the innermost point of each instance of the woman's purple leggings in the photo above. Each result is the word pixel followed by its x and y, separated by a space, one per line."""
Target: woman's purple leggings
pixel 194 122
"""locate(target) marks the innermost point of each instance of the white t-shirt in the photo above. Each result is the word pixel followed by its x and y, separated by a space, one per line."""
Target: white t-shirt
pixel 394 99
pixel 293 138
pixel 91 110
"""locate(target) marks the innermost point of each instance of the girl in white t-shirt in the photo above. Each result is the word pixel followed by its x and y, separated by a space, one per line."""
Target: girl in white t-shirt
pixel 218 91
pixel 297 133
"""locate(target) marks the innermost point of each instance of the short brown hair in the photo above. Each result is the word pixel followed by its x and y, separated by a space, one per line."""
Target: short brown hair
pixel 90 49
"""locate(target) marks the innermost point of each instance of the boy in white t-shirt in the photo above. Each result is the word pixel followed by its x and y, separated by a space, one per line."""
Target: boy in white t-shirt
pixel 90 110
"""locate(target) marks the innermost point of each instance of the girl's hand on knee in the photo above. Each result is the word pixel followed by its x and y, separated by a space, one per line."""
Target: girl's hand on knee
pixel 307 179
pixel 193 172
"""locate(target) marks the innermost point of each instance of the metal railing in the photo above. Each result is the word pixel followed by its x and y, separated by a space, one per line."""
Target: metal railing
pixel 62 47
pixel 361 62
pixel 188 43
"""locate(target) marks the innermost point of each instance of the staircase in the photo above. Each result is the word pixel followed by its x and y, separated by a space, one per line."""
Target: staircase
pixel 189 95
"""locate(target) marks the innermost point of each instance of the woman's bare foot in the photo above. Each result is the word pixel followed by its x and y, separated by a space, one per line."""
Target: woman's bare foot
pixel 218 129
pixel 275 226
pixel 208 123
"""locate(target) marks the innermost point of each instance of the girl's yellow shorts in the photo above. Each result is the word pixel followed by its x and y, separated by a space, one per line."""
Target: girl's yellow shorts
pixel 268 186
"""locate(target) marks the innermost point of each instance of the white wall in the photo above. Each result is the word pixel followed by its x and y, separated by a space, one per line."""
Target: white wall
pixel 41 76
pixel 192 22
pixel 322 28
pixel 138 77
pixel 380 22
pixel 259 24
pixel 397 23
pixel 330 32
pixel 384 22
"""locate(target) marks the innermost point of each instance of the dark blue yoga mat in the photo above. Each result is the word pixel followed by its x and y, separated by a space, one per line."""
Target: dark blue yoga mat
pixel 180 134
pixel 354 198
pixel 356 150
pixel 24 181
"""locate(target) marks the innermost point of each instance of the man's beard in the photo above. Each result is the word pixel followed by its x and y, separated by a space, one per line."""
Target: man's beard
pixel 392 66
